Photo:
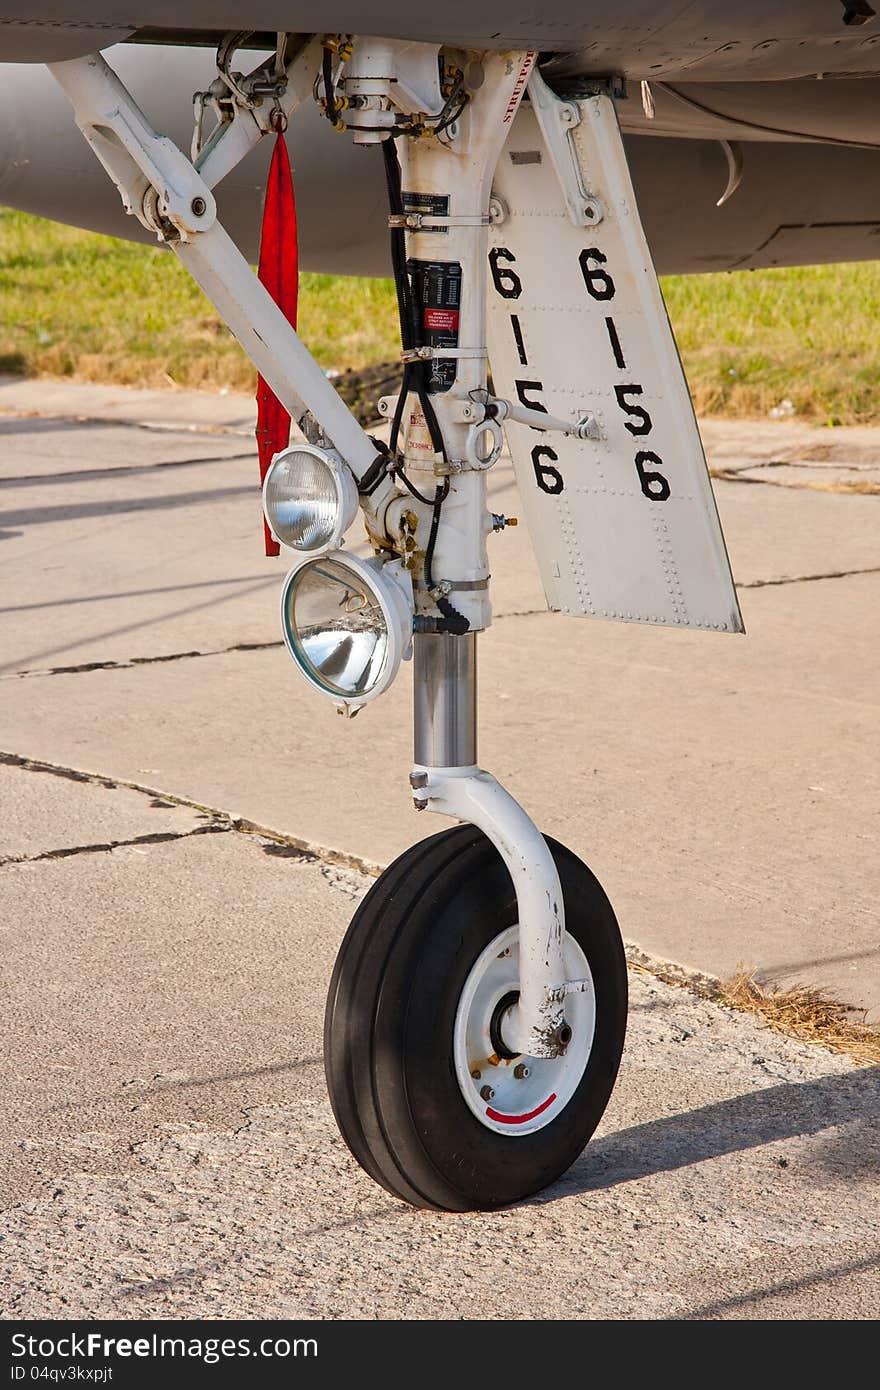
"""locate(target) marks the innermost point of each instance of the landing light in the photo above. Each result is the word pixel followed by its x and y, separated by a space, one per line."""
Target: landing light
pixel 309 498
pixel 347 623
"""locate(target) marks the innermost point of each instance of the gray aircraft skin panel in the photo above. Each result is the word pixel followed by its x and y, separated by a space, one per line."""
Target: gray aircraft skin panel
pixel 706 39
pixel 798 203
pixel 46 166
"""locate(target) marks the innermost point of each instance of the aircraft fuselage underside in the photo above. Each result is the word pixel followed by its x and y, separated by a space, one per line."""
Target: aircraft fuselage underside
pixel 708 40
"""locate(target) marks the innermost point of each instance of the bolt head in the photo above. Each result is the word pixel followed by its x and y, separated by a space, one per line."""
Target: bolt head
pixel 497 211
pixel 199 207
pixel 487 1093
pixel 476 1074
pixel 521 1071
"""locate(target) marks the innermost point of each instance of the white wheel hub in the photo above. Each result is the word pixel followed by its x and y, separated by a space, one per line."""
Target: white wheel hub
pixel 522 1094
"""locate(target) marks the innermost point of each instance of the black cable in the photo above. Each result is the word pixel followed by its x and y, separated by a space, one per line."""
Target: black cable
pixel 398 245
pixel 409 309
pixel 743 124
pixel 329 97
pixel 372 477
pixel 453 621
pixel 419 496
pixel 439 496
pixel 447 116
pixel 401 283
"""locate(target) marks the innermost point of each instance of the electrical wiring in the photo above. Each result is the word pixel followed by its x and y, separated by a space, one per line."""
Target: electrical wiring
pixel 398 472
pixel 410 314
pixel 437 504
pixel 329 91
pixel 409 309
pixel 742 124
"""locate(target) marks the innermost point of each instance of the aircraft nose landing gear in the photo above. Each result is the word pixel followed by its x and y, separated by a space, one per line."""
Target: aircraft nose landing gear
pixel 442 1091
pixel 477 1009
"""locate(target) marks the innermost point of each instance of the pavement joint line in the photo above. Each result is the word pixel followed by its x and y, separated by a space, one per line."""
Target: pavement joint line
pixel 97 473
pixel 157 837
pixel 298 847
pixel 694 981
pixel 157 426
pixel 149 592
pixel 133 661
pixel 88 666
pixel 741 464
pixel 842 489
pixel 807 578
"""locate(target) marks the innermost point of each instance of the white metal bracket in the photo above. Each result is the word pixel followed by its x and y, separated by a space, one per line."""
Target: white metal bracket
pixel 557 119
pixel 534 1025
pixel 231 141
pixel 159 185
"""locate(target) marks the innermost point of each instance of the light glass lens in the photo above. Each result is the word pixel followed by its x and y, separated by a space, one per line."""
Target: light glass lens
pixel 302 500
pixel 337 628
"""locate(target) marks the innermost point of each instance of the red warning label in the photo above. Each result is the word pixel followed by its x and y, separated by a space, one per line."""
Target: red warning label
pixel 441 320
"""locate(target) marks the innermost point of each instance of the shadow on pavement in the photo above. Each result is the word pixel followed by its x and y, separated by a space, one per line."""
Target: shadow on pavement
pixel 79 511
pixel 784 1288
pixel 743 1122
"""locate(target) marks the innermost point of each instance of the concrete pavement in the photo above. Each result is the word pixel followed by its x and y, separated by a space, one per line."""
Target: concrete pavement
pixel 168 1149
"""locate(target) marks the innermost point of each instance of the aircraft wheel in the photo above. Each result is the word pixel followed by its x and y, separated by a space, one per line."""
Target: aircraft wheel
pixel 421 1089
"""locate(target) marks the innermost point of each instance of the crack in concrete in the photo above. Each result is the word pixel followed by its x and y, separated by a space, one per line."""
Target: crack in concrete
pixel 807 578
pixel 296 847
pixel 329 860
pixel 856 488
pixel 157 837
pixel 87 666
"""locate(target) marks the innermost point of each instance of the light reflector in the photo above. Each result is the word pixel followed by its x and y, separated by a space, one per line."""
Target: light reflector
pixel 347 623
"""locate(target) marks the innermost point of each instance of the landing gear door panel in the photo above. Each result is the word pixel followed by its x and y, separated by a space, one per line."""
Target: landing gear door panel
pixel 624 525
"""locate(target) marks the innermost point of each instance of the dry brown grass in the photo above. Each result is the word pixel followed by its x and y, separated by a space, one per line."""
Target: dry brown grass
pixel 805 1012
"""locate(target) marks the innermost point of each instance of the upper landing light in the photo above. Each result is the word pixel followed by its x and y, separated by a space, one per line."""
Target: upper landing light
pixel 309 498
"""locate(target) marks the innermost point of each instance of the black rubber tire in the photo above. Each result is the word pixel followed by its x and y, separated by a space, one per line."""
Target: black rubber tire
pixel 390 1017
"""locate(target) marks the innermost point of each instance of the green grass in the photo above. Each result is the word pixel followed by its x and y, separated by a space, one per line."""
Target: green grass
pixel 809 335
pixel 95 309
pixel 89 307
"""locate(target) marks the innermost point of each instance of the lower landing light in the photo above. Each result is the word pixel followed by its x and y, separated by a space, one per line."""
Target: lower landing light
pixel 347 623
